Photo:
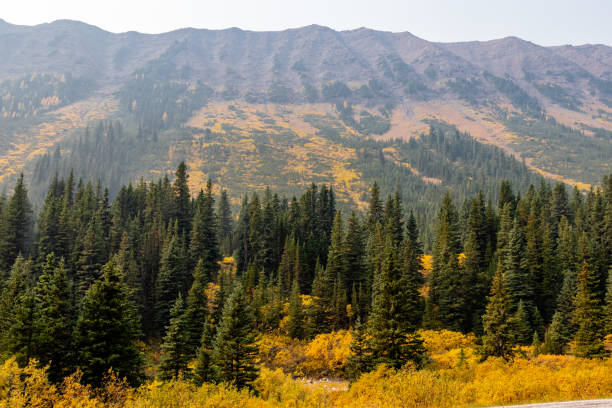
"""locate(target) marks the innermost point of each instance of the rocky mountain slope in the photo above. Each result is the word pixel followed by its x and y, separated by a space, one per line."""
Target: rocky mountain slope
pixel 548 106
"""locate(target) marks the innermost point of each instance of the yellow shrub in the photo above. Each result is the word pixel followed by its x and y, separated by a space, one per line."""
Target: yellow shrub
pixel 440 341
pixel 386 388
pixel 545 378
pixel 276 351
pixel 452 358
pixel 327 354
pixel 494 382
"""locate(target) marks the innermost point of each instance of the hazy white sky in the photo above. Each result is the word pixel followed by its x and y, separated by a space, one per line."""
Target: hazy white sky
pixel 546 22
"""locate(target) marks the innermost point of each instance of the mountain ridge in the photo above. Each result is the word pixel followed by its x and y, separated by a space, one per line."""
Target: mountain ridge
pixel 550 106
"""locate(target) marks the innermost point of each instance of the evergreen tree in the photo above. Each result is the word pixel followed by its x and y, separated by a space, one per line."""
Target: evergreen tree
pixel 588 316
pixel 608 306
pixel 506 196
pixel 521 329
pixel 175 353
pixel 339 315
pixel 172 277
pixel 537 344
pixel 241 237
pixel 360 359
pixel 17 220
pixel 235 349
pixel 286 268
pixel 375 211
pixel 394 223
pixel 563 327
pixel 204 367
pixel 196 310
pixel 23 332
pixel 336 265
pixel 410 283
pixel 91 257
pixel 49 221
pixel 392 339
pixel 295 327
pixel 498 340
pixel 321 301
pixel 107 330
pixel 515 270
pixel 54 321
pixel 132 274
pixel 11 291
pixel 204 244
pixel 225 224
pixel 182 200
pixel 447 284
pixel 412 236
pixel 354 255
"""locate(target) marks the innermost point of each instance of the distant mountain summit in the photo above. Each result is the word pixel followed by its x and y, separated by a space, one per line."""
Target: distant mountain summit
pixel 549 106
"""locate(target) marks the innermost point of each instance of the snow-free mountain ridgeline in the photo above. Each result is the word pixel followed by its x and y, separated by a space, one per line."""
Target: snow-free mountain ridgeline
pixel 287 108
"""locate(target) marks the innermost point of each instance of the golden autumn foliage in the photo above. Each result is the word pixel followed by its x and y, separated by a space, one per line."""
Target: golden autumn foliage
pixel 324 356
pixel 327 354
pixel 443 383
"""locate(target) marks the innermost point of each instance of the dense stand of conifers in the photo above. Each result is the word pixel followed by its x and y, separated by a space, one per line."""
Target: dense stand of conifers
pixel 90 282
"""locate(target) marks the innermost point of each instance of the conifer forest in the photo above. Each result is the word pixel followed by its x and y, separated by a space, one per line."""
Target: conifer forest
pixel 163 282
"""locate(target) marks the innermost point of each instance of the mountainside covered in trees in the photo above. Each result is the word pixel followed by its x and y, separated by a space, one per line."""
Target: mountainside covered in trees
pixel 284 109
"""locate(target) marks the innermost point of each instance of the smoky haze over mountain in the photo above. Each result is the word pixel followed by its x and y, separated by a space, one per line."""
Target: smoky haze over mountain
pixel 250 60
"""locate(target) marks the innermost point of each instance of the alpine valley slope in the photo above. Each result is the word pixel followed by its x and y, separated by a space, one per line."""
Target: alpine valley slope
pixel 251 109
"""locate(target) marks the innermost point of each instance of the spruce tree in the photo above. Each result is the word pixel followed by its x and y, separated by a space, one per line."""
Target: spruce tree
pixel 608 306
pixel 17 231
pixel 241 237
pixel 54 321
pixel 562 328
pixel 336 261
pixel 133 275
pixel 235 350
pixel 107 331
pixel 11 293
pixel 375 211
pixel 447 285
pixel 204 367
pixel 91 257
pixel 196 310
pixel 339 315
pixel 47 240
pixel 521 329
pixel 321 302
pixel 182 200
pixel 354 254
pixel 23 333
pixel 204 242
pixel 393 219
pixel 175 348
pixel 514 268
pixel 295 327
pixel 225 224
pixel 588 316
pixel 393 340
pixel 286 268
pixel 498 339
pixel 172 277
pixel 360 360
pixel 410 283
